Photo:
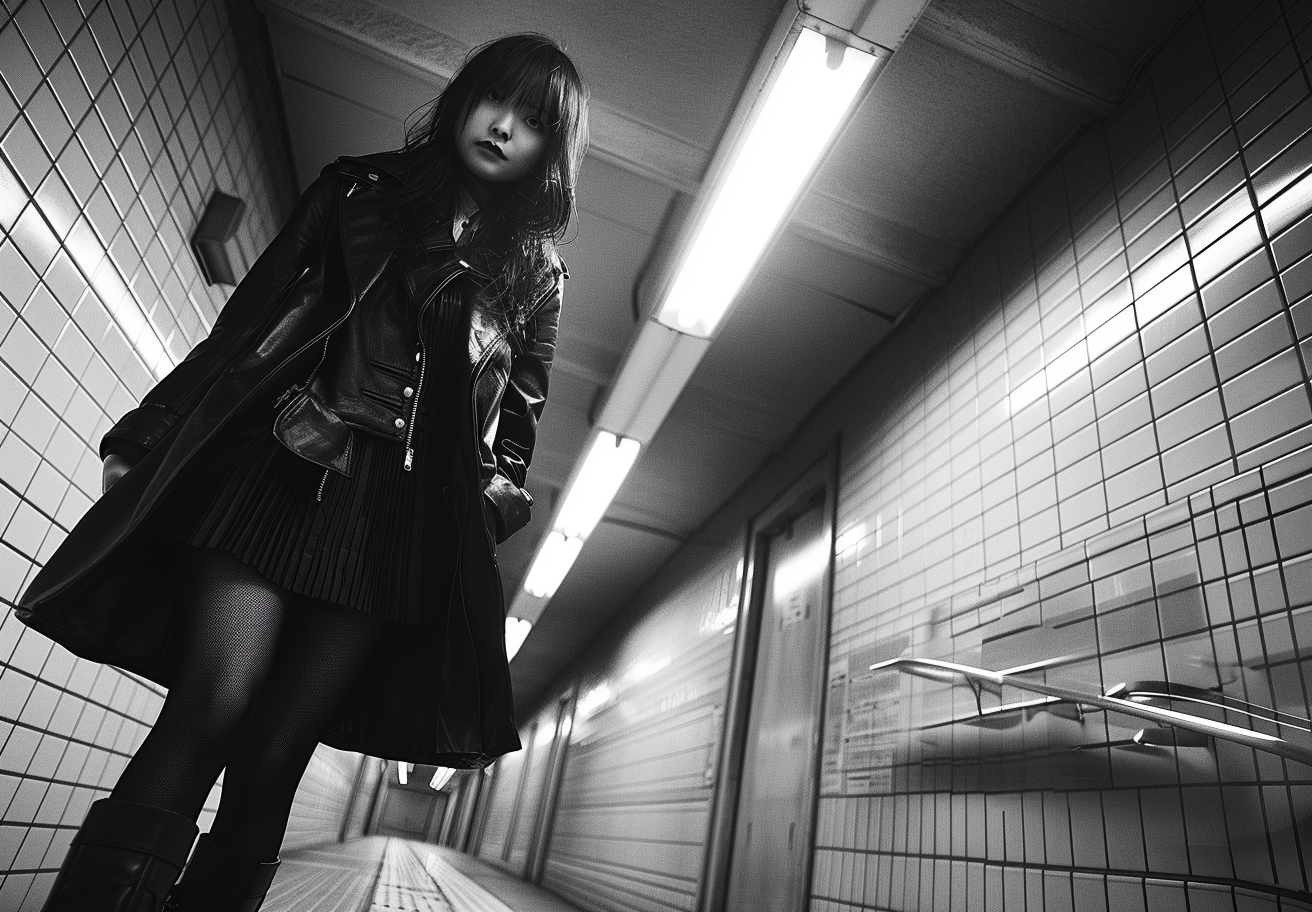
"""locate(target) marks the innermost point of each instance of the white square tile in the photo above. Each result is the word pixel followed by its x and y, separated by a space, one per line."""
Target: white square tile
pixel 75 505
pixel 46 490
pixel 35 422
pixel 54 538
pixel 18 462
pixel 23 352
pixel 18 750
pixel 82 413
pixel 65 450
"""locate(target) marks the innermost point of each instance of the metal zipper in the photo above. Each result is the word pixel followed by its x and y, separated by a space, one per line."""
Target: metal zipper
pixel 322 483
pixel 297 387
pixel 414 409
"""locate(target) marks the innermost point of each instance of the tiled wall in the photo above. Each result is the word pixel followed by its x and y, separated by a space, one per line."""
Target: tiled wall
pixel 1132 333
pixel 1092 450
pixel 117 120
pixel 631 819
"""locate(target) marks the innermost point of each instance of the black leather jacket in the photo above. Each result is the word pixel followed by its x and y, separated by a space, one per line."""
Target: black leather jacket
pixel 372 366
pixel 106 595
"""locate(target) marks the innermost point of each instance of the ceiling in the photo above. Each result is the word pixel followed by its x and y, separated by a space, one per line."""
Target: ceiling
pixel 979 96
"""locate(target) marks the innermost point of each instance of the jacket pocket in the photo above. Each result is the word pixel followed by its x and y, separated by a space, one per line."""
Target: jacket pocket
pixel 314 432
pixel 392 402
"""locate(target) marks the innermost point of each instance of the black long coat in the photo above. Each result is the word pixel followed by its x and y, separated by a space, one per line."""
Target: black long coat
pixel 443 696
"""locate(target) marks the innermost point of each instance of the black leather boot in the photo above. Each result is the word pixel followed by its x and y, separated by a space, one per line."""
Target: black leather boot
pixel 217 880
pixel 124 858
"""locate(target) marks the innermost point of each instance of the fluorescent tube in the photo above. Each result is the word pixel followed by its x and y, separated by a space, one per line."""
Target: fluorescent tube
pixel 590 493
pixel 517 630
pixel 793 123
pixel 604 470
pixel 796 122
pixel 556 556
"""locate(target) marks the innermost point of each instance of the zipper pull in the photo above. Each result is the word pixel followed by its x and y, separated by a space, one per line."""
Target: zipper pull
pixel 287 394
pixel 409 458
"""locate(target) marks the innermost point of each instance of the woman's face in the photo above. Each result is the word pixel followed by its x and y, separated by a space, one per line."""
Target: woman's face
pixel 501 142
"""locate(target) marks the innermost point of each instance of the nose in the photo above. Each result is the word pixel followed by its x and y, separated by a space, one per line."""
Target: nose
pixel 502 124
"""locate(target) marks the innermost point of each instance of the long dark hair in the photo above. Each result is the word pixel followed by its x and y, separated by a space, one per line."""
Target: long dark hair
pixel 513 236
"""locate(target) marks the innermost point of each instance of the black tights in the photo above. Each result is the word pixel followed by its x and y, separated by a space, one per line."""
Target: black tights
pixel 261 673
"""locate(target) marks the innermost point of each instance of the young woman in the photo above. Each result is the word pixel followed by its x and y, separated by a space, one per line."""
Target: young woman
pixel 298 530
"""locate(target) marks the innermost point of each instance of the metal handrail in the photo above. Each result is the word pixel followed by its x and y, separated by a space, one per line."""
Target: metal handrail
pixel 1170 690
pixel 976 678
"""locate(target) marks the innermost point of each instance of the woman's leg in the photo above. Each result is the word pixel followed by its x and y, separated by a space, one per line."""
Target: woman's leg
pixel 323 648
pixel 231 619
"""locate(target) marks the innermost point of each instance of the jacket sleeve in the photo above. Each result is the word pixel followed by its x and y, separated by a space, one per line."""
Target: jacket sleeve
pixel 521 408
pixel 275 272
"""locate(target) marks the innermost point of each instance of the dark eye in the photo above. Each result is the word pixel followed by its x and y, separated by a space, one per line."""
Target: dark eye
pixel 534 122
pixel 494 95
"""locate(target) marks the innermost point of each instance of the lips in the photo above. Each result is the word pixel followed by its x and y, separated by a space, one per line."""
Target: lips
pixel 493 148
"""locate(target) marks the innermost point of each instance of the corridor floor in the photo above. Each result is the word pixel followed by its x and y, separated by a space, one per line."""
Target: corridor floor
pixel 384 874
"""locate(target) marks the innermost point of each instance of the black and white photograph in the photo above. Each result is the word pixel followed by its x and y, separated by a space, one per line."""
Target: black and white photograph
pixel 666 456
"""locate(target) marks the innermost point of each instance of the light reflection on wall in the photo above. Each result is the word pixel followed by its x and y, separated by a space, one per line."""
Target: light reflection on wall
pixel 851 539
pixel 800 570
pixel 724 609
pixel 94 262
pixel 592 701
pixel 1217 241
pixel 1293 202
pixel 644 668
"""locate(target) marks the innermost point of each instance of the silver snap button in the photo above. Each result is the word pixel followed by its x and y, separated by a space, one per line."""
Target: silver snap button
pixel 408 391
pixel 400 423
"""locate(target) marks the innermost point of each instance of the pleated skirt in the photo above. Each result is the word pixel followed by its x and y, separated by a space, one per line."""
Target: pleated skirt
pixel 371 542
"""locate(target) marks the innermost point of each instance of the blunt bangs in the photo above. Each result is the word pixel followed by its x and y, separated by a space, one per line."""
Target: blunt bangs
pixel 532 71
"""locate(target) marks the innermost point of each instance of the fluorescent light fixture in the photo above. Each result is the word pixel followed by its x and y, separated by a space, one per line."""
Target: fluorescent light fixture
pixel 556 556
pixel 799 116
pixel 604 470
pixel 403 771
pixel 590 492
pixel 441 776
pixel 517 630
pixel 798 97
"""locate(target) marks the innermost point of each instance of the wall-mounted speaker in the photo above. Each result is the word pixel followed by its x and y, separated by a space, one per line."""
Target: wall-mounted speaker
pixel 213 240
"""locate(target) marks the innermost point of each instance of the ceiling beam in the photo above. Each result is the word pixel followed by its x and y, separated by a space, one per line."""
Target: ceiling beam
pixel 1011 40
pixel 837 224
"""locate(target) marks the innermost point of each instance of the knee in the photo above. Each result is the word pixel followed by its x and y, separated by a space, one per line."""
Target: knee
pixel 214 713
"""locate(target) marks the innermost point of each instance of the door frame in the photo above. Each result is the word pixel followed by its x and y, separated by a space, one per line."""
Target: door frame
pixel 483 808
pixel 545 823
pixel 818 481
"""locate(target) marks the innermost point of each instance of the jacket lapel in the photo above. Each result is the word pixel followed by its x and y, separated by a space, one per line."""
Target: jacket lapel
pixel 362 219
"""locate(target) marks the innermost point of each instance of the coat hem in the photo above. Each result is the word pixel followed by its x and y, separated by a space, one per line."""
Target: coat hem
pixel 78 647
